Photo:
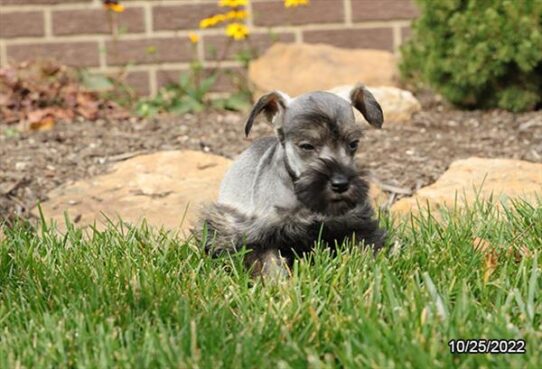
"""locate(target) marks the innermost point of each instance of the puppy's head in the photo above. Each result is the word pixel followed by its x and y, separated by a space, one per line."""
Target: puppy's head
pixel 320 138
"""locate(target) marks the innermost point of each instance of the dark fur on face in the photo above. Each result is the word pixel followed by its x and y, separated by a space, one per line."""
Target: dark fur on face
pixel 313 190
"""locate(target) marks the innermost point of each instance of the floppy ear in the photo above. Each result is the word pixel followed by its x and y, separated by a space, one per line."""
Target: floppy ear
pixel 365 102
pixel 271 104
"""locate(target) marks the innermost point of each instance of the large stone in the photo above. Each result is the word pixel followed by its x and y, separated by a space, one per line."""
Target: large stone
pixel 469 179
pixel 167 189
pixel 398 105
pixel 159 187
pixel 299 68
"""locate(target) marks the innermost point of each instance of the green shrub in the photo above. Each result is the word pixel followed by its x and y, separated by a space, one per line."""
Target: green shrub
pixel 478 53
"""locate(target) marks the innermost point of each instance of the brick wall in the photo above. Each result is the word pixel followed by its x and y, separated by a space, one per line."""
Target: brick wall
pixel 153 38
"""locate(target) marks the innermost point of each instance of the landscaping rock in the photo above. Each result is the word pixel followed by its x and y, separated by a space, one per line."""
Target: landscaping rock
pixel 465 180
pixel 159 187
pixel 299 68
pixel 398 105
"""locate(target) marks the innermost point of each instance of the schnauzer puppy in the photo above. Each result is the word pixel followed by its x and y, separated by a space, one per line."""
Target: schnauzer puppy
pixel 285 193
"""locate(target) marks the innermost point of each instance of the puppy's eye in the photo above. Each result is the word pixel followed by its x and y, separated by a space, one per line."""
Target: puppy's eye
pixel 353 145
pixel 306 147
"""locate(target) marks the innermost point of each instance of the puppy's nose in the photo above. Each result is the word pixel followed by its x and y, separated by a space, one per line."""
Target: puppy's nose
pixel 339 183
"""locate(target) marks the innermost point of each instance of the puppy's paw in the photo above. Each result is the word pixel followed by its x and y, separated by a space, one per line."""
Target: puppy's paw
pixel 268 264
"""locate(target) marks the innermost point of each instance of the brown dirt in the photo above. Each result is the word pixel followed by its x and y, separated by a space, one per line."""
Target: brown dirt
pixel 402 156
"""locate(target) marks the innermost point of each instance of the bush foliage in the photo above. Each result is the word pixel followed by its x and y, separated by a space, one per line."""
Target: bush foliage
pixel 478 53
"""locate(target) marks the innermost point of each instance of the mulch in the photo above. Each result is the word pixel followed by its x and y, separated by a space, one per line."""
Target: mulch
pixel 404 157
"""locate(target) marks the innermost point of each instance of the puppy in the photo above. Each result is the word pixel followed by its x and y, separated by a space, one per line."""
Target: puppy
pixel 285 193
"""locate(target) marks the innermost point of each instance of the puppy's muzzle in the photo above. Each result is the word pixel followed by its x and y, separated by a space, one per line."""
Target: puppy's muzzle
pixel 329 187
pixel 339 183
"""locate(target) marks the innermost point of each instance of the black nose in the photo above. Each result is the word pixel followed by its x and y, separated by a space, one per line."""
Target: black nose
pixel 339 183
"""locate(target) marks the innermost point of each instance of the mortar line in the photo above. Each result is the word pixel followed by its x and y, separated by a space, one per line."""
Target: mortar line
pixel 3 53
pixel 396 38
pixel 250 19
pixel 347 4
pixel 212 32
pixel 170 65
pixel 153 82
pixel 97 4
pixel 200 49
pixel 48 23
pixel 102 54
pixel 299 36
pixel 148 9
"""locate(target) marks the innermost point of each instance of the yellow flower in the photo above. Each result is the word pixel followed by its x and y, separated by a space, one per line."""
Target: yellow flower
pixel 194 37
pixel 219 18
pixel 294 3
pixel 114 6
pixel 206 23
pixel 237 31
pixel 213 21
pixel 240 14
pixel 232 3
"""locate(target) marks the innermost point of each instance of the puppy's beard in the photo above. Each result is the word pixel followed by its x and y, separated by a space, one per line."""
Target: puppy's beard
pixel 313 190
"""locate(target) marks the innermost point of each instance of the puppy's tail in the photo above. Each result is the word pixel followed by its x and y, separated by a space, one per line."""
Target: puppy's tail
pixel 227 229
pixel 218 228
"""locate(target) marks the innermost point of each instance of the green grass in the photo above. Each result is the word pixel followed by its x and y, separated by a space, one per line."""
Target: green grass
pixel 130 297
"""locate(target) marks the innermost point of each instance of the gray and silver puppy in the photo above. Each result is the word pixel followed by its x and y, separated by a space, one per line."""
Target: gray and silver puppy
pixel 286 192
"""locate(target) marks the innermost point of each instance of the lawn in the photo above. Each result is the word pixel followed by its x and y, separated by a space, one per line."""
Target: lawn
pixel 131 297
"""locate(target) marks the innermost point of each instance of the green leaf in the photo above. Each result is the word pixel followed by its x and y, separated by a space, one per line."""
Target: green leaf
pixel 184 81
pixel 96 82
pixel 206 84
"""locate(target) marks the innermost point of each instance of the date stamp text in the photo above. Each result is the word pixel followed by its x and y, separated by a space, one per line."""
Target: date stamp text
pixel 487 346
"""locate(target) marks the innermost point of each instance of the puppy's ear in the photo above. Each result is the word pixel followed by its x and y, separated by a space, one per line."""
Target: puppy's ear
pixel 365 102
pixel 271 104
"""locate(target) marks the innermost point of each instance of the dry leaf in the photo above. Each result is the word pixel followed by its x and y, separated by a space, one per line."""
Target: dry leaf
pixel 424 315
pixel 62 114
pixel 37 115
pixel 490 264
pixel 480 244
pixel 490 256
pixel 518 252
pixel 45 124
pixel 33 91
pixel 88 112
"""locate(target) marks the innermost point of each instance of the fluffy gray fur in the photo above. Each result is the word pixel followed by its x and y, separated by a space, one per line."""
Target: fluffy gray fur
pixel 285 192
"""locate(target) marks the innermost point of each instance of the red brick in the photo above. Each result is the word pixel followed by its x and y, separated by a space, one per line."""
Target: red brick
pixel 81 54
pixel 168 76
pixel 372 38
pixel 369 10
pixel 40 2
pixel 171 17
pixel 273 13
pixel 21 24
pixel 139 82
pixel 149 51
pixel 217 46
pixel 93 21
pixel 224 82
